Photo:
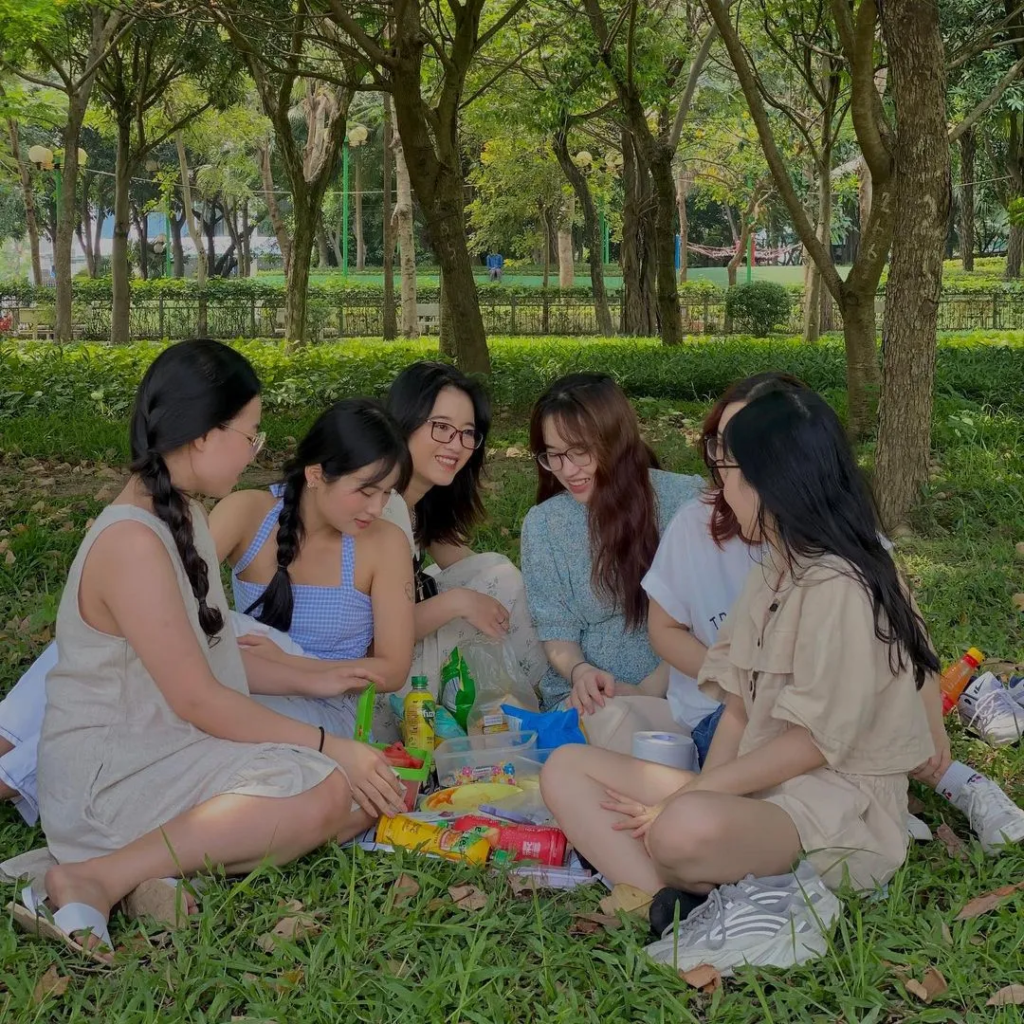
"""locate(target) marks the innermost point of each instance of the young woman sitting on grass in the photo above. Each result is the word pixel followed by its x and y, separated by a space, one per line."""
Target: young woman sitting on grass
pixel 697 575
pixel 312 558
pixel 154 760
pixel 602 503
pixel 324 578
pixel 465 597
pixel 819 666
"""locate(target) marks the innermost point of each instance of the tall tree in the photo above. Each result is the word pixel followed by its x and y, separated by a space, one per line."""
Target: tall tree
pixel 69 53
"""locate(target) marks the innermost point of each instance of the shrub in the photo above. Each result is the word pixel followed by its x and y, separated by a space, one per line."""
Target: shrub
pixel 760 307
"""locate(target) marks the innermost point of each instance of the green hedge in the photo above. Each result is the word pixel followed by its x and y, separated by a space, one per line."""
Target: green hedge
pixel 37 377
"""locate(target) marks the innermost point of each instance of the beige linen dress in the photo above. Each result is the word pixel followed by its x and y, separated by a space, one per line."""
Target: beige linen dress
pixel 799 648
pixel 115 762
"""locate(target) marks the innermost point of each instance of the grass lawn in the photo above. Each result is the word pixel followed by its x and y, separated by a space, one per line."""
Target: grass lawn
pixel 425 959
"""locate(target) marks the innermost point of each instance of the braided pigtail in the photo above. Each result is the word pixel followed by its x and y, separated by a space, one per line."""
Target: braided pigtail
pixel 171 507
pixel 276 602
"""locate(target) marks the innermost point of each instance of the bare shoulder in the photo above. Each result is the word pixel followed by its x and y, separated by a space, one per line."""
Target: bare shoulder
pixel 236 518
pixel 127 543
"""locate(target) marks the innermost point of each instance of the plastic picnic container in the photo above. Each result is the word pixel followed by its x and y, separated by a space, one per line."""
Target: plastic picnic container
pixel 485 757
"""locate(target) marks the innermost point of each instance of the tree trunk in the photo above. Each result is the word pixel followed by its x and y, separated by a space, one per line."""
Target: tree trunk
pixel 273 209
pixel 592 229
pixel 390 315
pixel 120 312
pixel 245 250
pixel 1014 252
pixel 670 321
pixel 682 189
pixel 304 217
pixel 823 230
pixel 29 202
pixel 445 327
pixel 968 147
pixel 566 263
pixel 923 196
pixel 194 234
pixel 323 259
pixel 733 266
pixel 639 315
pixel 67 214
pixel 358 196
pixel 406 244
pixel 177 251
pixel 142 230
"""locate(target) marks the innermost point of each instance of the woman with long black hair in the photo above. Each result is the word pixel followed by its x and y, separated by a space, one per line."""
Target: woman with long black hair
pixel 819 666
pixel 465 596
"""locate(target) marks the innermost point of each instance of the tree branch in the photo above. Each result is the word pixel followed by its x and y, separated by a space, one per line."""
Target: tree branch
pixel 988 102
pixel 696 67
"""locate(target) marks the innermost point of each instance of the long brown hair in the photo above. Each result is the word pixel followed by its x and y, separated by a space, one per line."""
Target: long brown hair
pixel 592 412
pixel 723 522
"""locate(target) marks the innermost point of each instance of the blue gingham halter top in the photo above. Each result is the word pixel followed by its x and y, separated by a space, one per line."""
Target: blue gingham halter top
pixel 334 623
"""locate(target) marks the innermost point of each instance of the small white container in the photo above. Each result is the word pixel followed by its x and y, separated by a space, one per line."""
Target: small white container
pixel 488 757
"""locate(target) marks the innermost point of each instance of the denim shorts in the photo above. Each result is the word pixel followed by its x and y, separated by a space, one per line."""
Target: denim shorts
pixel 704 732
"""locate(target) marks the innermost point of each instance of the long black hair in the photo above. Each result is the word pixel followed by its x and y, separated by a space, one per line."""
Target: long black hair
pixel 444 514
pixel 191 388
pixel 791 448
pixel 351 434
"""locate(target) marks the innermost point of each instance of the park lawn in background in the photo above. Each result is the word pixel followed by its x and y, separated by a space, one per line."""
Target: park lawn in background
pixel 428 960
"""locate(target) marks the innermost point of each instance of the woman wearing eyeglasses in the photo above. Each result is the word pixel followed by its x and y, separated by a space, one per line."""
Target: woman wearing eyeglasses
pixel 445 417
pixel 602 503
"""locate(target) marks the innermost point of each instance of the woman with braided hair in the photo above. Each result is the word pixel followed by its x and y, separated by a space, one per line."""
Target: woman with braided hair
pixel 153 760
pixel 312 557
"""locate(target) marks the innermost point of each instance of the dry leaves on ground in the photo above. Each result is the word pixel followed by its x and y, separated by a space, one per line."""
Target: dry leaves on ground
pixel 590 924
pixel 627 898
pixel 50 984
pixel 468 897
pixel 931 985
pixel 296 924
pixel 404 889
pixel 703 977
pixel 955 846
pixel 987 901
pixel 1012 995
pixel 1018 602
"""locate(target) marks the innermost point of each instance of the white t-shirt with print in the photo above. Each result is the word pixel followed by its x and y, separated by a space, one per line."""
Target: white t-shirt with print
pixel 696 582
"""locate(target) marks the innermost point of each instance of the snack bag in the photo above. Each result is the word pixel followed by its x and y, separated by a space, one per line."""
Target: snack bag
pixel 498 680
pixel 458 688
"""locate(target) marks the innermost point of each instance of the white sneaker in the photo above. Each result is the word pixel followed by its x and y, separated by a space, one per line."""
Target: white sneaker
pixel 987 709
pixel 1015 688
pixel 776 921
pixel 994 818
pixel 917 829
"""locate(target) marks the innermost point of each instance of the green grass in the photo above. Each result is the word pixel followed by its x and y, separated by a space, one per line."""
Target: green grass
pixel 427 960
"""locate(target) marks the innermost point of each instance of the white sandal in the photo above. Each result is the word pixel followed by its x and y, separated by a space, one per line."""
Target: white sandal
pixel 33 916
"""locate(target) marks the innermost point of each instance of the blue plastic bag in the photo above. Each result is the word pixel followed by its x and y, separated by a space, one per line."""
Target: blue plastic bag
pixel 553 728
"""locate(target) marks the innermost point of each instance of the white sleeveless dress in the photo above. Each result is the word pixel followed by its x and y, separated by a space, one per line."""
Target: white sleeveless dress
pixel 115 761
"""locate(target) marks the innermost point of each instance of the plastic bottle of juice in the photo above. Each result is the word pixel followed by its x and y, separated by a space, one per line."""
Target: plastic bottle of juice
pixel 524 842
pixel 418 715
pixel 426 838
pixel 954 680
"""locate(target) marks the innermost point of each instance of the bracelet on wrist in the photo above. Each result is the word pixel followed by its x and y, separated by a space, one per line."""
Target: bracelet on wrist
pixel 572 671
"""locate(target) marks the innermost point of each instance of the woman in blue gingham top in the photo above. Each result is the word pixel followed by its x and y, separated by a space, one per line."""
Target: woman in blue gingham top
pixel 312 558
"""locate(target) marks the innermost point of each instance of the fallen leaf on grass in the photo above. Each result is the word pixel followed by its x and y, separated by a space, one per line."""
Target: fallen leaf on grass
pixel 915 988
pixel 1019 546
pixel 288 980
pixel 955 846
pixel 46 481
pixel 39 506
pixel 523 883
pixel 468 897
pixel 515 453
pixel 405 888
pixel 9 557
pixel 703 976
pixel 1012 995
pixel 914 804
pixel 1018 602
pixel 947 935
pixel 105 493
pixel 296 925
pixel 50 984
pixel 987 901
pixel 627 898
pixel 396 968
pixel 590 924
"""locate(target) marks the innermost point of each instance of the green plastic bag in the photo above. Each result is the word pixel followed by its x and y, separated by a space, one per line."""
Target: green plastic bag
pixel 458 688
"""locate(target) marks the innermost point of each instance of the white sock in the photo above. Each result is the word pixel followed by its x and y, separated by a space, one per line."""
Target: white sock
pixel 953 781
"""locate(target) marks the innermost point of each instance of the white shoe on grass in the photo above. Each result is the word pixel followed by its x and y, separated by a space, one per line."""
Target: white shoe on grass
pixel 994 818
pixel 776 921
pixel 918 830
pixel 988 710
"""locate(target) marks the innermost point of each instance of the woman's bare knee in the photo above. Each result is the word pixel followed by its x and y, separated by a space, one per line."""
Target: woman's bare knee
pixel 687 831
pixel 562 767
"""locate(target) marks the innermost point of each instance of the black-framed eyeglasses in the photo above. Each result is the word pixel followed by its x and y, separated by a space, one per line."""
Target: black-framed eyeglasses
pixel 442 432
pixel 715 455
pixel 257 441
pixel 554 461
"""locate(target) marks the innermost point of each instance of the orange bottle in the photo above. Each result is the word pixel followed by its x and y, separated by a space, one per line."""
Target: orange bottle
pixel 954 680
pixel 426 838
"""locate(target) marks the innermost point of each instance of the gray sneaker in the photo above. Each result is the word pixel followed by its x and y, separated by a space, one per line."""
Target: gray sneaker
pixel 776 921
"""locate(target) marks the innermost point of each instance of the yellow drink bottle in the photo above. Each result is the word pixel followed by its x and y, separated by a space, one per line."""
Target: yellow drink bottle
pixel 418 716
pixel 426 838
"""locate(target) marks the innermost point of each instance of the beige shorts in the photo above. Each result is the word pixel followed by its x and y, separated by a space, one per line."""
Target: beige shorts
pixel 853 824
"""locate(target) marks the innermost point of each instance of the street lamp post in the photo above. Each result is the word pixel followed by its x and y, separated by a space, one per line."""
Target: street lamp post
pixel 613 164
pixel 47 160
pixel 354 138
